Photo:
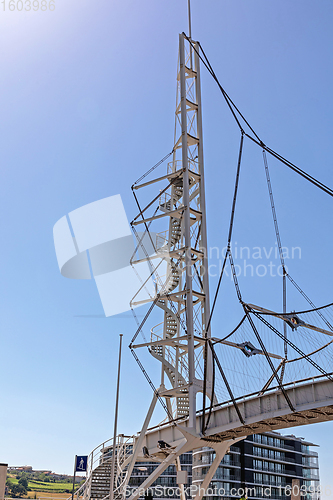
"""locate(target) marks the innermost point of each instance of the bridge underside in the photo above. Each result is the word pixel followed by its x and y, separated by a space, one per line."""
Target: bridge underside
pixel 313 402
pixel 304 417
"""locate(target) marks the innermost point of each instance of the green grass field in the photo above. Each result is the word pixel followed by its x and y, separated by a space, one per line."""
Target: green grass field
pixel 40 486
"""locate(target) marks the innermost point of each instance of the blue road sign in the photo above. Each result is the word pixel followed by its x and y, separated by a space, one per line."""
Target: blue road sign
pixel 81 463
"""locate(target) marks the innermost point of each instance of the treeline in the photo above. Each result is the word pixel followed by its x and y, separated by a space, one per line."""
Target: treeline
pixel 18 489
pixel 21 483
pixel 41 476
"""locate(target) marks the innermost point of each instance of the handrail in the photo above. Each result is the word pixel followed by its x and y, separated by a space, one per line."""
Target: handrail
pixel 77 492
pixel 245 397
pixel 100 455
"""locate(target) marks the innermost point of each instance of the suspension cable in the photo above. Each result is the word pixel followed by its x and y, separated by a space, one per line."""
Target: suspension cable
pixel 299 351
pixel 256 139
pixel 233 108
pixel 274 371
pixel 154 167
pixel 297 313
pixel 153 387
pixel 234 277
pixel 228 252
pixel 218 341
pixel 293 167
pixel 144 320
pixel 310 301
pixel 278 240
pixel 212 397
pixel 276 226
pixel 138 324
pixel 240 416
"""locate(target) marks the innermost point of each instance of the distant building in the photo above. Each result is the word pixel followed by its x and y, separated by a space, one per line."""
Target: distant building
pixel 21 468
pixel 48 473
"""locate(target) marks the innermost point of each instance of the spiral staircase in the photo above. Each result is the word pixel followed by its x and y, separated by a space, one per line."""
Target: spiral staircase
pixel 166 354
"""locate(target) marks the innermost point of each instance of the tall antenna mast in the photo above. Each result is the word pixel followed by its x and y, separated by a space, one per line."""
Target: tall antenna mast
pixel 189 19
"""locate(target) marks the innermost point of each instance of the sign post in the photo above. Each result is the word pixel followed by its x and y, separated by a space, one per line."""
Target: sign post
pixel 74 477
pixel 114 449
pixel 80 465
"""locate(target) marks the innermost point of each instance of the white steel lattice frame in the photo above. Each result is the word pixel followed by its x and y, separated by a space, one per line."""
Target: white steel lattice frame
pixel 183 293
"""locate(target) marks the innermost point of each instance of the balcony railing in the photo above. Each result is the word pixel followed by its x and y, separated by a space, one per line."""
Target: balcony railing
pixel 227 478
pixel 268 469
pixel 207 463
pixel 310 476
pixel 310 453
pixel 271 483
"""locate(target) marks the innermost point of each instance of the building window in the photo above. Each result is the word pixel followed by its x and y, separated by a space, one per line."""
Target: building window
pixel 265 479
pixel 257 477
pixel 257 464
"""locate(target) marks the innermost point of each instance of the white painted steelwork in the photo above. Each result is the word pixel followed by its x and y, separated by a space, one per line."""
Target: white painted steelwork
pixel 183 293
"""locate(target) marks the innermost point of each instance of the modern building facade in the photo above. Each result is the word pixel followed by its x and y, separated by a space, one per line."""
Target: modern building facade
pixel 166 485
pixel 267 465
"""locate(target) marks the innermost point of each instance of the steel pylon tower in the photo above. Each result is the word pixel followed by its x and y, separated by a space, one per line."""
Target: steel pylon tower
pixel 183 291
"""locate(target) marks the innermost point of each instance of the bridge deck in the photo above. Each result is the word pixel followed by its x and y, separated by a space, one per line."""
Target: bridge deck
pixel 313 402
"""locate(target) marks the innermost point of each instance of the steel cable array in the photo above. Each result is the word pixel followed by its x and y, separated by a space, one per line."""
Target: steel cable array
pixel 254 324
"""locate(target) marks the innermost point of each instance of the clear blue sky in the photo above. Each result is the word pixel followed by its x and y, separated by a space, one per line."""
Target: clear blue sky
pixel 87 97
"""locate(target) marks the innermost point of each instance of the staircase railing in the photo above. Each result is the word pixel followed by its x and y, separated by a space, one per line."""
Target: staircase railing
pixel 102 455
pixel 169 351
